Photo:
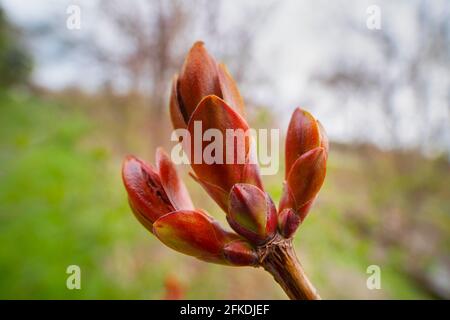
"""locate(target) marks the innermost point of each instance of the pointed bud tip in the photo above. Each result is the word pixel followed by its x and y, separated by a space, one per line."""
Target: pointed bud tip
pixel 288 222
pixel 161 154
pixel 302 111
pixel 198 48
pixel 128 158
pixel 128 163
pixel 238 188
pixel 198 43
pixel 320 151
pixel 211 98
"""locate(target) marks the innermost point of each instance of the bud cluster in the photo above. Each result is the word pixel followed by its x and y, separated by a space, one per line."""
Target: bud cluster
pixel 205 91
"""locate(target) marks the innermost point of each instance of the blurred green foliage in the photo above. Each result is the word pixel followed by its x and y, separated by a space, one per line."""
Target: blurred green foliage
pixel 55 200
pixel 15 61
pixel 62 203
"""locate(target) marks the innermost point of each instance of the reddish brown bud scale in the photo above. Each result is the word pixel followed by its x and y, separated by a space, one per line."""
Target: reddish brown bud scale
pixel 251 213
pixel 229 89
pixel 178 113
pixel 288 222
pixel 287 199
pixel 240 253
pixel 214 113
pixel 303 135
pixel 141 217
pixel 307 175
pixel 218 178
pixel 250 172
pixel 219 195
pixel 324 143
pixel 145 190
pixel 192 233
pixel 197 234
pixel 248 207
pixel 304 210
pixel 173 186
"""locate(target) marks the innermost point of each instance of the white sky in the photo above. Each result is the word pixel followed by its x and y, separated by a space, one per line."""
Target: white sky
pixel 298 39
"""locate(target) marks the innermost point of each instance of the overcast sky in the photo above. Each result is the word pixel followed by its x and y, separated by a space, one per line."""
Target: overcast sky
pixel 298 39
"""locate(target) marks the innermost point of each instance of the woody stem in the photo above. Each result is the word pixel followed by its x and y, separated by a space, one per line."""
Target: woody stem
pixel 279 259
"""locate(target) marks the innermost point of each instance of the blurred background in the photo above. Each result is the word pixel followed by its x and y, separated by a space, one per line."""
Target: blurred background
pixel 83 83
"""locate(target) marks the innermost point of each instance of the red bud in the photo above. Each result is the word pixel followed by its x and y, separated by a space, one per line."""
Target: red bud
pixel 178 113
pixel 307 175
pixel 303 135
pixel 219 195
pixel 240 253
pixel 146 194
pixel 214 113
pixel 205 99
pixel 251 213
pixel 230 91
pixel 197 234
pixel 201 76
pixel 324 143
pixel 198 78
pixel 173 186
pixel 306 154
pixel 288 222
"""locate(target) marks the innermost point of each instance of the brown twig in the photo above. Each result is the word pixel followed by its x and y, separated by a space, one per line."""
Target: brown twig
pixel 279 259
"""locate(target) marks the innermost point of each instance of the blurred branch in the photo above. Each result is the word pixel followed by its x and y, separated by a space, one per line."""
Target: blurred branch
pixel 15 61
pixel 401 68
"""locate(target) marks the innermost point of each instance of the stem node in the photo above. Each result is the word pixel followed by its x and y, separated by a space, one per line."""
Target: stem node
pixel 279 259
